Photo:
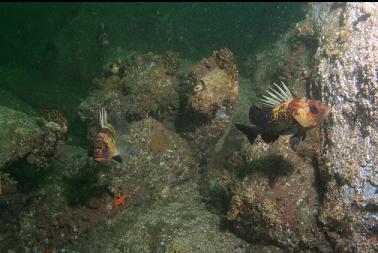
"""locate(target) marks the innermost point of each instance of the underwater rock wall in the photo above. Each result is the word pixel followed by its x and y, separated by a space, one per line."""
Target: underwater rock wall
pixel 273 191
pixel 346 78
pixel 331 55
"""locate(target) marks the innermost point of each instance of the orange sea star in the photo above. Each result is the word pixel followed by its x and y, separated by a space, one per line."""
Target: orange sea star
pixel 120 200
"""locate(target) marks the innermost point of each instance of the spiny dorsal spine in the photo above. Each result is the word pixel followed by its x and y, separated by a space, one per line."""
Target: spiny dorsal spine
pixel 103 117
pixel 277 96
pixel 104 122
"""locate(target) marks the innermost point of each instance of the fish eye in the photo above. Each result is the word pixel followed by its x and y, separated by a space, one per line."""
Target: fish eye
pixel 313 109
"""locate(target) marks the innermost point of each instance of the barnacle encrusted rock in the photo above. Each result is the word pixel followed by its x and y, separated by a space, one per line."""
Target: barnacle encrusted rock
pixel 141 85
pixel 156 159
pixel 273 199
pixel 215 83
pixel 346 78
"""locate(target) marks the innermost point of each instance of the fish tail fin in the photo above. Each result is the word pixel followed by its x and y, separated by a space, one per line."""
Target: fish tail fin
pixel 250 131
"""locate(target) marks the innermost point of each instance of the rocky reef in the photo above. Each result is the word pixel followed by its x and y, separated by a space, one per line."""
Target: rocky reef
pixel 189 181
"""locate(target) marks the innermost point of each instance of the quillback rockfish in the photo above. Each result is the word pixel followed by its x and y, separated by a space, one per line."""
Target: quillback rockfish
pixel 282 114
pixel 104 148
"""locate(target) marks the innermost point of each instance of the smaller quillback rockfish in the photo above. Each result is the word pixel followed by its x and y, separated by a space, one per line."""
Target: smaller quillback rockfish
pixel 104 148
pixel 282 114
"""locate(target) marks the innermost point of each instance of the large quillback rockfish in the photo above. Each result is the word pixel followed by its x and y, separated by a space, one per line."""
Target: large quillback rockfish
pixel 282 114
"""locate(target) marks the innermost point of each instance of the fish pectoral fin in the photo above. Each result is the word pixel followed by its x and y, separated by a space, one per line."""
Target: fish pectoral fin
pixel 295 140
pixel 117 158
pixel 250 131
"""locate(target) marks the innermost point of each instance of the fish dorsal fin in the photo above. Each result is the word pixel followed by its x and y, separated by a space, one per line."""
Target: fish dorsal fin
pixel 104 122
pixel 276 96
pixel 103 117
